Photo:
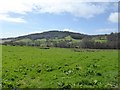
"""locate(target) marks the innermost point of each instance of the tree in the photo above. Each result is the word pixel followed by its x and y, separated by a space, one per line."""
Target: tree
pixel 87 43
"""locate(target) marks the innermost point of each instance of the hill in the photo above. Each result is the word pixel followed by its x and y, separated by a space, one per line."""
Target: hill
pixel 45 35
pixel 52 35
pixel 64 39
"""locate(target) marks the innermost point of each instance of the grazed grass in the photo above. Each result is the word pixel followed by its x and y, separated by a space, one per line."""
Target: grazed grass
pixel 0 67
pixel 59 68
pixel 101 41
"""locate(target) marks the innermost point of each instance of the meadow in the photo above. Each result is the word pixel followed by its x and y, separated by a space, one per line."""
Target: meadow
pixel 0 67
pixel 34 67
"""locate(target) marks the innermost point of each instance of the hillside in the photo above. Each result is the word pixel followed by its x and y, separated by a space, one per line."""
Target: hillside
pixel 52 35
pixel 48 35
pixel 64 39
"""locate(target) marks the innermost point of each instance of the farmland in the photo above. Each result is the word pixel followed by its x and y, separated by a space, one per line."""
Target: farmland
pixel 0 66
pixel 34 67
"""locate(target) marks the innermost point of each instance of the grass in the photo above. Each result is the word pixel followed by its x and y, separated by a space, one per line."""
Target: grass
pixel 32 67
pixel 0 67
pixel 101 41
pixel 44 40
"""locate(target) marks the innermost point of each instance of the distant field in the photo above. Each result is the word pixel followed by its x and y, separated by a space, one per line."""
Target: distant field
pixel 25 40
pixel 32 67
pixel 101 41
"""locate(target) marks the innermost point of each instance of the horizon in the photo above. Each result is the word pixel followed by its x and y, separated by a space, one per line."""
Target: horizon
pixel 34 16
pixel 55 30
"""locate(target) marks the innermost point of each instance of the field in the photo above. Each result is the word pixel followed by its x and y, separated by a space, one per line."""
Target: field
pixel 33 67
pixel 0 67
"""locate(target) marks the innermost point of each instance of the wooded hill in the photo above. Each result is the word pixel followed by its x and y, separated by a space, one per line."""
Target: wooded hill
pixel 65 39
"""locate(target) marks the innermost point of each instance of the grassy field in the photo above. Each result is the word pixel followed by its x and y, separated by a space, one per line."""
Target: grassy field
pixel 32 67
pixel 0 67
pixel 25 40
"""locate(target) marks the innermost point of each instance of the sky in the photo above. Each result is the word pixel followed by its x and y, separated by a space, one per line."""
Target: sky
pixel 22 17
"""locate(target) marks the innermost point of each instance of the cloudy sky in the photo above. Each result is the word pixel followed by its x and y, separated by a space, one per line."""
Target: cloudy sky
pixel 21 17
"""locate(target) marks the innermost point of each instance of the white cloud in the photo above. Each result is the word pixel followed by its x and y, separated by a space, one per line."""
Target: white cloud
pixel 78 8
pixel 10 34
pixel 4 17
pixel 106 30
pixel 114 17
pixel 16 6
pixel 71 30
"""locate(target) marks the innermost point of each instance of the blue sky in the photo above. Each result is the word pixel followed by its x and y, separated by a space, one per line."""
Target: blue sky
pixel 34 16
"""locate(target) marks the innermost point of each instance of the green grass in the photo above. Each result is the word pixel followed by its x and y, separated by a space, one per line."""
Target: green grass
pixel 0 67
pixel 41 40
pixel 32 67
pixel 101 41
pixel 73 40
pixel 44 40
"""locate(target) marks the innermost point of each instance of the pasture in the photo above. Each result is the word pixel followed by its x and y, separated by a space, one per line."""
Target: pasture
pixel 33 67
